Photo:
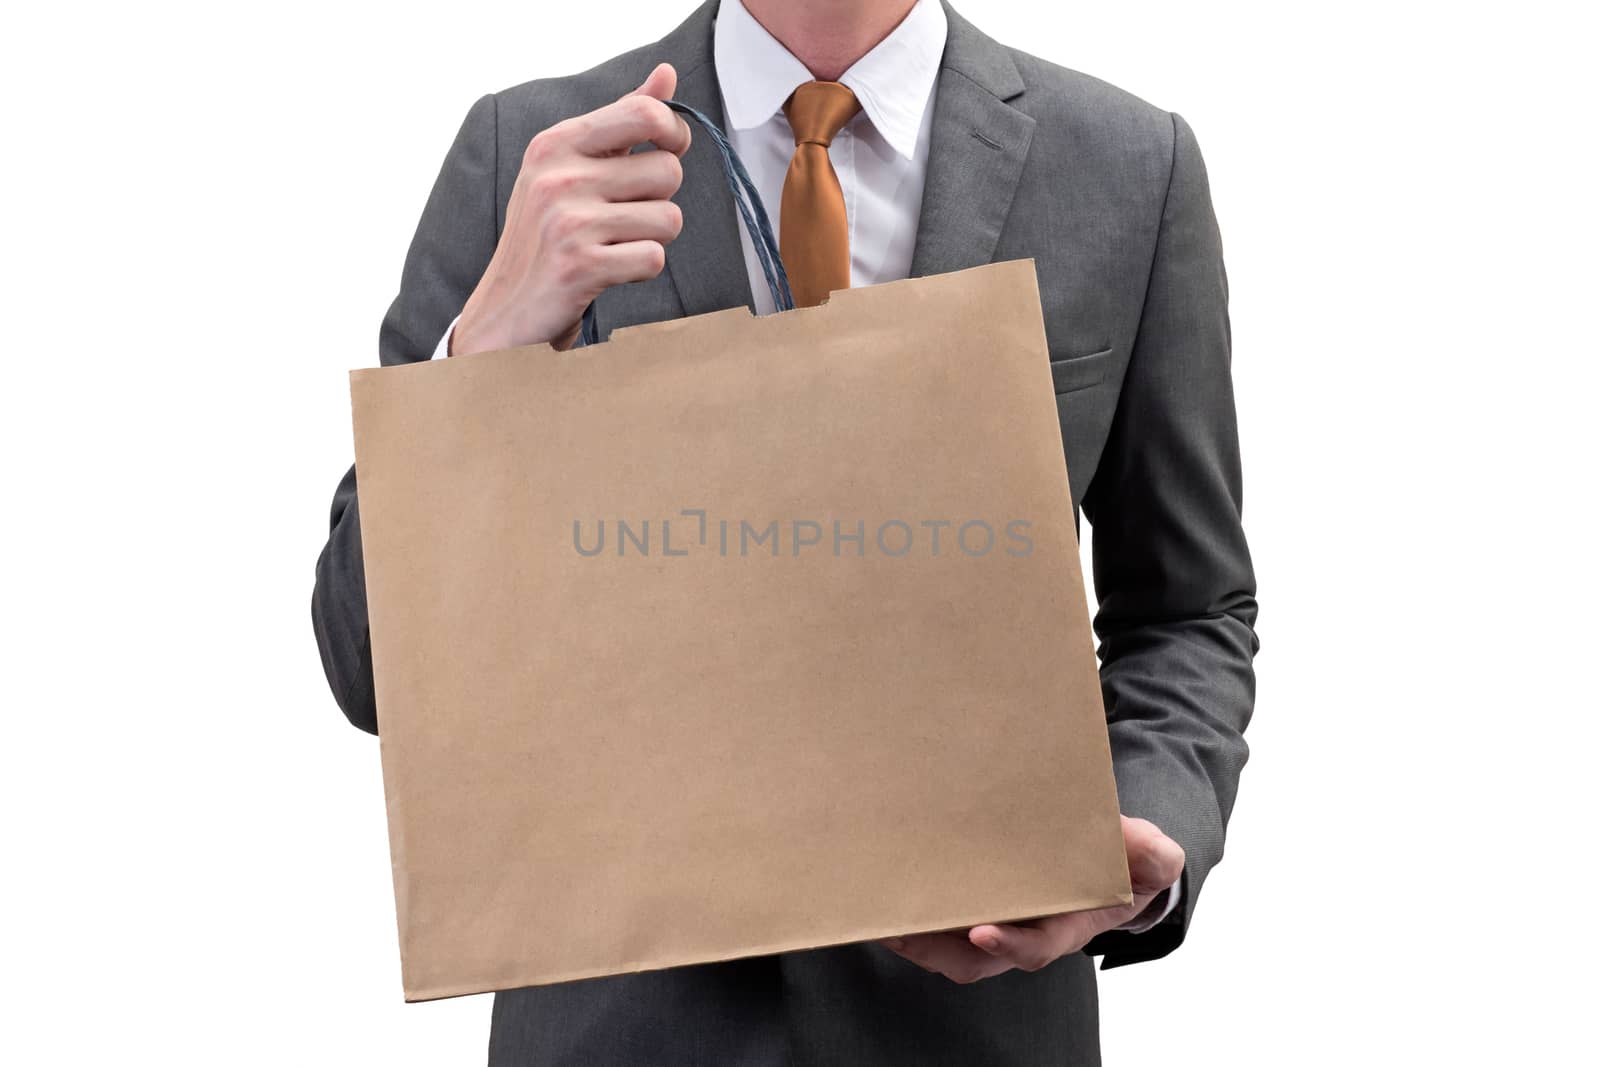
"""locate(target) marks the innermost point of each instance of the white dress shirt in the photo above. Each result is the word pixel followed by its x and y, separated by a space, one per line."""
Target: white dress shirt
pixel 880 156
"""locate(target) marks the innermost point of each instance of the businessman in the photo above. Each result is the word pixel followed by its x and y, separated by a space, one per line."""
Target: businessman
pixel 893 140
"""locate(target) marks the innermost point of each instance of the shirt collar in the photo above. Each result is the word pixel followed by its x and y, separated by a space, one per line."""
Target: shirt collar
pixel 894 81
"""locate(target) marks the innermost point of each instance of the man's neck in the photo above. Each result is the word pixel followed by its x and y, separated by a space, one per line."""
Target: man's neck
pixel 828 36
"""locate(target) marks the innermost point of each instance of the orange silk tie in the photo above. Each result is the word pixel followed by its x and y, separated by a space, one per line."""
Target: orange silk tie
pixel 813 229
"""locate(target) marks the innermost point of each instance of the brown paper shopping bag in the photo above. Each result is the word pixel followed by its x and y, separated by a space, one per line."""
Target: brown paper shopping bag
pixel 732 636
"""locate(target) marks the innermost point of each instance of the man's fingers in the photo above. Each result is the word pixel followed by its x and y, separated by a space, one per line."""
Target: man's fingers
pixel 662 84
pixel 640 176
pixel 633 120
pixel 659 84
pixel 1155 861
pixel 638 118
pixel 1030 946
pixel 630 261
pixel 646 220
pixel 948 954
pixel 1027 948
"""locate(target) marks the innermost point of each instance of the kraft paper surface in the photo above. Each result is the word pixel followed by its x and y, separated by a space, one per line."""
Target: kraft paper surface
pixel 670 669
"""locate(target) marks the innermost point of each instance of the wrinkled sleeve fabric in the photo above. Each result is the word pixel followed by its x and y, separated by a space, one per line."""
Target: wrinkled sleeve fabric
pixel 453 244
pixel 1177 590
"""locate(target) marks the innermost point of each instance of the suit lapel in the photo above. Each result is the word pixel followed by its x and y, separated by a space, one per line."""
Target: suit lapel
pixel 978 146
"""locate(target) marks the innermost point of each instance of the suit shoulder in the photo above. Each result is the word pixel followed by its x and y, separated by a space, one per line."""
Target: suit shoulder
pixel 1091 110
pixel 534 105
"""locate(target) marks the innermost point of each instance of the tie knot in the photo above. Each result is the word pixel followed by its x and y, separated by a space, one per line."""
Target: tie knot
pixel 818 110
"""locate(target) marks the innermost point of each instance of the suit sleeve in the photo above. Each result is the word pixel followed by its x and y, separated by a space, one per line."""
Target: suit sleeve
pixel 1177 612
pixel 452 246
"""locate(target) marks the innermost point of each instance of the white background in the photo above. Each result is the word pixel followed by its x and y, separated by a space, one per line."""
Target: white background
pixel 205 209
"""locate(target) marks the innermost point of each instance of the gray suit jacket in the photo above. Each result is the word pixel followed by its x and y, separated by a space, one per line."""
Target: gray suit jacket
pixel 1109 196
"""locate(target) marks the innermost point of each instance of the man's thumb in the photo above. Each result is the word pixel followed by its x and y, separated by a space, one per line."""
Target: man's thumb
pixel 661 84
